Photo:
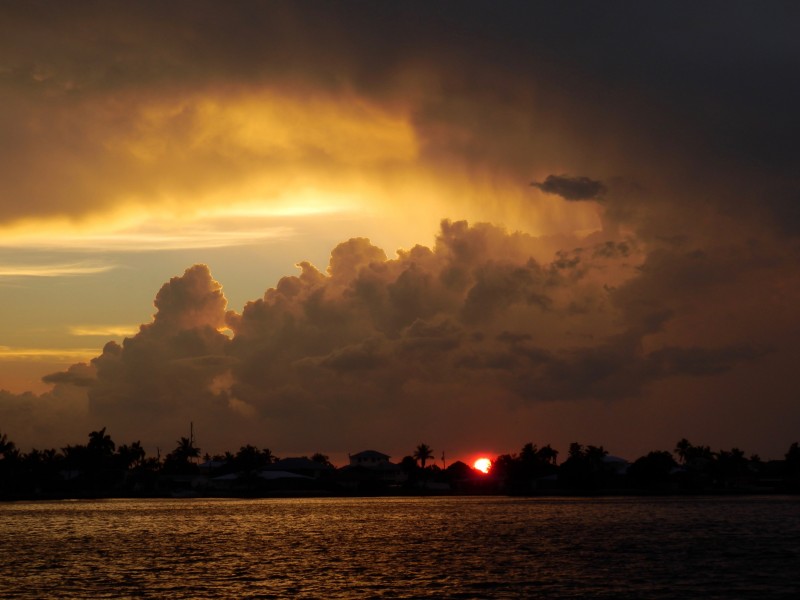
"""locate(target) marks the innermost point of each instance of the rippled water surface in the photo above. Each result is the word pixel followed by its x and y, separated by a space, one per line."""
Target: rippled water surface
pixel 402 548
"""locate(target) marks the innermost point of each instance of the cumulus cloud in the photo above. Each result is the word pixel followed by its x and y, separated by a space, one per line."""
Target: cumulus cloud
pixel 342 357
pixel 192 301
pixel 166 374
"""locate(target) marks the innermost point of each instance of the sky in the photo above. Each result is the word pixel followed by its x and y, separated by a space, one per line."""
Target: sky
pixel 330 227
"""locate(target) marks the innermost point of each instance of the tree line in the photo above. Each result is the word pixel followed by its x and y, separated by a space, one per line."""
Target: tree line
pixel 101 468
pixel 687 468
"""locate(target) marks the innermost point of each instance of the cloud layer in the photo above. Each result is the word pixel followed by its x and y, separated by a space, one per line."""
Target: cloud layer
pixel 659 301
pixel 154 110
pixel 375 350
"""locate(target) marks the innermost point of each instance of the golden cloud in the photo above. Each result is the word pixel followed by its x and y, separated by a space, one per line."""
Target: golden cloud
pixel 103 330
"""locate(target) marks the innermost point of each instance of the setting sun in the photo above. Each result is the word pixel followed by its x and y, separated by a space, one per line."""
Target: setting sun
pixel 482 465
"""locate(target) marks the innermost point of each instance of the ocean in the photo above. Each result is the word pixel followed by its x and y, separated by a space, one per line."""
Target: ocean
pixel 433 547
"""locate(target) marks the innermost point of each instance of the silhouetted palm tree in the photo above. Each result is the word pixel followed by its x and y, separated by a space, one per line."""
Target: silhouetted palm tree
pixel 548 454
pixel 6 445
pixel 691 455
pixel 100 443
pixel 130 456
pixel 186 450
pixel 683 449
pixel 423 453
pixel 529 453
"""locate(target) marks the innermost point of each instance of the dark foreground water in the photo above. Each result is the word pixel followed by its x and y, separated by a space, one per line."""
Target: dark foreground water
pixel 743 547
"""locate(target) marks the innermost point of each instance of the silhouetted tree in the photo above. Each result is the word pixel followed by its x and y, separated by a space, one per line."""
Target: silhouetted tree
pixel 460 471
pixel 423 454
pixel 100 444
pixel 507 470
pixel 75 457
pixel 698 462
pixel 730 465
pixel 529 453
pixel 584 467
pixel 101 468
pixel 100 475
pixel 179 460
pixel 408 465
pixel 688 452
pixel 503 465
pixel 249 458
pixel 792 461
pixel 575 450
pixel 792 455
pixel 130 456
pixel 269 457
pixel 322 459
pixel 518 473
pixel 654 469
pixel 548 454
pixel 6 445
pixel 682 449
pixel 8 466
pixel 37 472
pixel 186 449
pixel 537 462
pixel 51 456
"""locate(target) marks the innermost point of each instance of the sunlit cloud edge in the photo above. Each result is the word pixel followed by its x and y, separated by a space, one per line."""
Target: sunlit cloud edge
pixel 103 330
pixel 10 353
pixel 53 270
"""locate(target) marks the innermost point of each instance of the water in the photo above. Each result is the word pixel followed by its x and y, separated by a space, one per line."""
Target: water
pixel 464 547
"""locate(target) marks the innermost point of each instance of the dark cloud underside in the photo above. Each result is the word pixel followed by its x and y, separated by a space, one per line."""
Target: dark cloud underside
pixel 571 188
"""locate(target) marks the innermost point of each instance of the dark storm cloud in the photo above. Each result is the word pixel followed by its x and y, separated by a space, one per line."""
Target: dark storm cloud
pixel 696 361
pixel 615 369
pixel 571 188
pixel 680 97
